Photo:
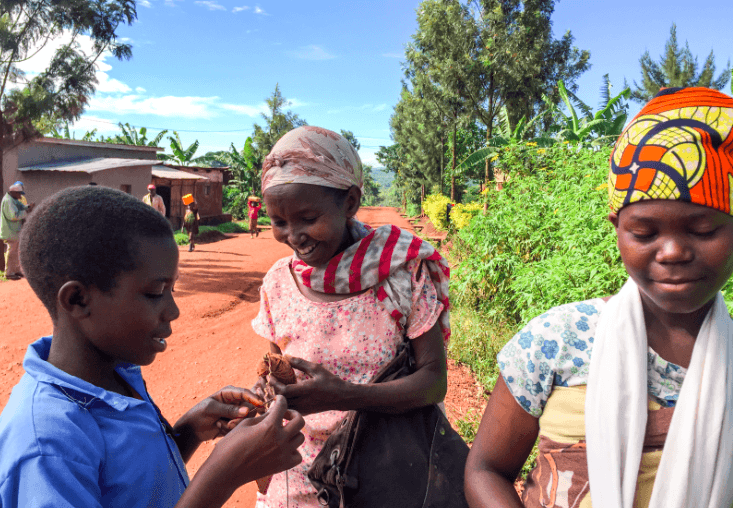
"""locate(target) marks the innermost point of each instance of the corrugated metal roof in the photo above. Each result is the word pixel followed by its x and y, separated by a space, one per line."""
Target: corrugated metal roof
pixel 91 165
pixel 174 174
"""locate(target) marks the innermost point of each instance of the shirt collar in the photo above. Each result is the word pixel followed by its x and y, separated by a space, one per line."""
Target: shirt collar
pixel 36 365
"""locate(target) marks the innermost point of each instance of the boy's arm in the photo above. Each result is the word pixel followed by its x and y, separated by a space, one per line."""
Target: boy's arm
pixel 504 441
pixel 48 481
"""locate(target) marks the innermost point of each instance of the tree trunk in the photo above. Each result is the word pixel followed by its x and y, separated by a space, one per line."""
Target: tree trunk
pixel 453 166
pixel 422 199
pixel 442 156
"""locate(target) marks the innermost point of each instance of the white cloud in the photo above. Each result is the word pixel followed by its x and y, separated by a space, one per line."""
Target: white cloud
pixel 311 52
pixel 139 89
pixel 368 157
pixel 171 3
pixel 144 3
pixel 106 84
pixel 243 109
pixel 392 55
pixel 169 106
pixel 258 10
pixel 211 5
pixel 240 9
pixel 369 108
pixel 88 123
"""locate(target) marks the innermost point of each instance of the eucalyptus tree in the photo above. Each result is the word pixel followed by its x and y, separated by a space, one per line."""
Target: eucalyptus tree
pixel 435 66
pixel 370 196
pixel 677 67
pixel 278 121
pixel 32 103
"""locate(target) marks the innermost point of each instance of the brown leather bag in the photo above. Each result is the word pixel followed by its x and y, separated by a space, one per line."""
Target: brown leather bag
pixel 379 460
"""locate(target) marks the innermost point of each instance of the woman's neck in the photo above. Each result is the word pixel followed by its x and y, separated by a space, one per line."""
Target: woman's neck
pixel 673 336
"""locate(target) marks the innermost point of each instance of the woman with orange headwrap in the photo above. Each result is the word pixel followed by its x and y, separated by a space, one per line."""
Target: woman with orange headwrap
pixel 631 396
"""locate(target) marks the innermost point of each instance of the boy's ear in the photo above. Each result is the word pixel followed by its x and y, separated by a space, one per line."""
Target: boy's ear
pixel 73 299
pixel 353 201
pixel 613 217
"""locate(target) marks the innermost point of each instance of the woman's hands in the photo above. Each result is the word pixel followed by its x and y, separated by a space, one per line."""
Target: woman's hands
pixel 256 447
pixel 213 417
pixel 321 391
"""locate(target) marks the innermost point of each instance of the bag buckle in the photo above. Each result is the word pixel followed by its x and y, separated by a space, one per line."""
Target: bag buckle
pixel 334 456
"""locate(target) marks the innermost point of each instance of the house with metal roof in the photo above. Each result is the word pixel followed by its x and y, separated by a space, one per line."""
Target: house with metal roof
pixel 47 165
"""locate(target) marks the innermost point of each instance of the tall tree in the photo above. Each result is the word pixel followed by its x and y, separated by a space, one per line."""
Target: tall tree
pixel 436 60
pixel 278 121
pixel 60 92
pixel 677 67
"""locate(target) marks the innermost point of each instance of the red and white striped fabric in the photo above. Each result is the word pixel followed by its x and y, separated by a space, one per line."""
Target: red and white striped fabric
pixel 378 259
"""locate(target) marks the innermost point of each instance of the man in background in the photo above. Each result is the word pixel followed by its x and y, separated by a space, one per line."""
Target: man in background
pixel 12 213
pixel 152 199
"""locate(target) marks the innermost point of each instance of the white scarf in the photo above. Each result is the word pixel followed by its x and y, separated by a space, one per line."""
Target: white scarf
pixel 696 466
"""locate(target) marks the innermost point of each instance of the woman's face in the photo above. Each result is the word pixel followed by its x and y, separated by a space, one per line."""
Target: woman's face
pixel 679 254
pixel 308 219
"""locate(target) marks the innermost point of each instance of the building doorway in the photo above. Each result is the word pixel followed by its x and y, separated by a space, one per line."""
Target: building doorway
pixel 165 193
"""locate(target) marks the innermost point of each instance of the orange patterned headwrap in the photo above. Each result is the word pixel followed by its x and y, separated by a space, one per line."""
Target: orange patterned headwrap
pixel 679 146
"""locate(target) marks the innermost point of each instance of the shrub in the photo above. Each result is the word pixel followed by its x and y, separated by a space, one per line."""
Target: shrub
pixel 435 207
pixel 545 239
pixel 413 210
pixel 462 213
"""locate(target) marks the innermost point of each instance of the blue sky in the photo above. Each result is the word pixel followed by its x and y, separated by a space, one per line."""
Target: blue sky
pixel 204 68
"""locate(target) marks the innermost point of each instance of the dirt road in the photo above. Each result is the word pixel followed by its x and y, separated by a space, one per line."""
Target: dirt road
pixel 213 344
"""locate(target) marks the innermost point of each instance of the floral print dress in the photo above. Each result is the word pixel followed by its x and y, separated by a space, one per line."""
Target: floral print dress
pixel 352 338
pixel 545 366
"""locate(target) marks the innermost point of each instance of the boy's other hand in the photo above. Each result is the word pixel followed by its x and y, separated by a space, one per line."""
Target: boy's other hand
pixel 261 446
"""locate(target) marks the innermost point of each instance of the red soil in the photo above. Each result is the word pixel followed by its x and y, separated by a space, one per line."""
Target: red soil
pixel 213 344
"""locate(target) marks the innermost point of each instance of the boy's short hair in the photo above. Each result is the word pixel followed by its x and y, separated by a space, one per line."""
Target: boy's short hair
pixel 88 234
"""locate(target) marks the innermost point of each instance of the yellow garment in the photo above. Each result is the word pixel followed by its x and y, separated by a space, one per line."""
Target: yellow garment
pixel 561 475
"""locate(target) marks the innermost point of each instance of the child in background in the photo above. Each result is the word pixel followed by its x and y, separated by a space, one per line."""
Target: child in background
pixel 80 428
pixel 191 222
pixel 342 304
pixel 254 206
pixel 632 395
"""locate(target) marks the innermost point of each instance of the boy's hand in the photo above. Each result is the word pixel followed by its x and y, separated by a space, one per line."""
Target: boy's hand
pixel 261 446
pixel 256 447
pixel 218 414
pixel 322 391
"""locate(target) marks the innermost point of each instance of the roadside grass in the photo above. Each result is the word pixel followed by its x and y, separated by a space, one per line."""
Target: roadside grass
pixel 224 228
pixel 475 341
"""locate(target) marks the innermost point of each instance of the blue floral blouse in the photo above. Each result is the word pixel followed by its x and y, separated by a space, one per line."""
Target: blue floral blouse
pixel 554 349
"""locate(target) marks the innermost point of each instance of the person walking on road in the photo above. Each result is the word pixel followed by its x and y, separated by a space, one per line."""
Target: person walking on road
pixel 253 211
pixel 154 200
pixel 12 213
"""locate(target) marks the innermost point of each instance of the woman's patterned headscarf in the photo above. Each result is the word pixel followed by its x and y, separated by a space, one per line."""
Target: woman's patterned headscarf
pixel 679 146
pixel 314 156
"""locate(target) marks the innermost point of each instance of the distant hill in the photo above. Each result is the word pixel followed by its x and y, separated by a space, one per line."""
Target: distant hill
pixel 383 177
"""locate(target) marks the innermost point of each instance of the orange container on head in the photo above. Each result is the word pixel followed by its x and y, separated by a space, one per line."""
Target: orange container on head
pixel 188 199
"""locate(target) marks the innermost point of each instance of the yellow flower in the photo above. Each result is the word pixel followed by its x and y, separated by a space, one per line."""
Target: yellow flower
pixel 541 151
pixel 565 142
pixel 542 169
pixel 485 191
pixel 602 186
pixel 494 158
pixel 531 144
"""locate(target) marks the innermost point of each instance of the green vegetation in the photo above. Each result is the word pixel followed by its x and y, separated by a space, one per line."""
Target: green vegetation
pixel 225 228
pixel 677 67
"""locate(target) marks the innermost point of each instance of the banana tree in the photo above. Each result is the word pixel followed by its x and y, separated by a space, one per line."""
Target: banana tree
pixel 181 156
pixel 595 129
pixel 506 136
pixel 242 166
pixel 130 136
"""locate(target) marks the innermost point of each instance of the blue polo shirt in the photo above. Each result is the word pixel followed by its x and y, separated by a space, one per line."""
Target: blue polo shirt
pixel 67 443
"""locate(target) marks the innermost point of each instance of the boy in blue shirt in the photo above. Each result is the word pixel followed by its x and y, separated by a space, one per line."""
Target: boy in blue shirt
pixel 80 428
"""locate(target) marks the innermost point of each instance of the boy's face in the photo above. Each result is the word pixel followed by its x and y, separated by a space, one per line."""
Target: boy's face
pixel 130 322
pixel 679 254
